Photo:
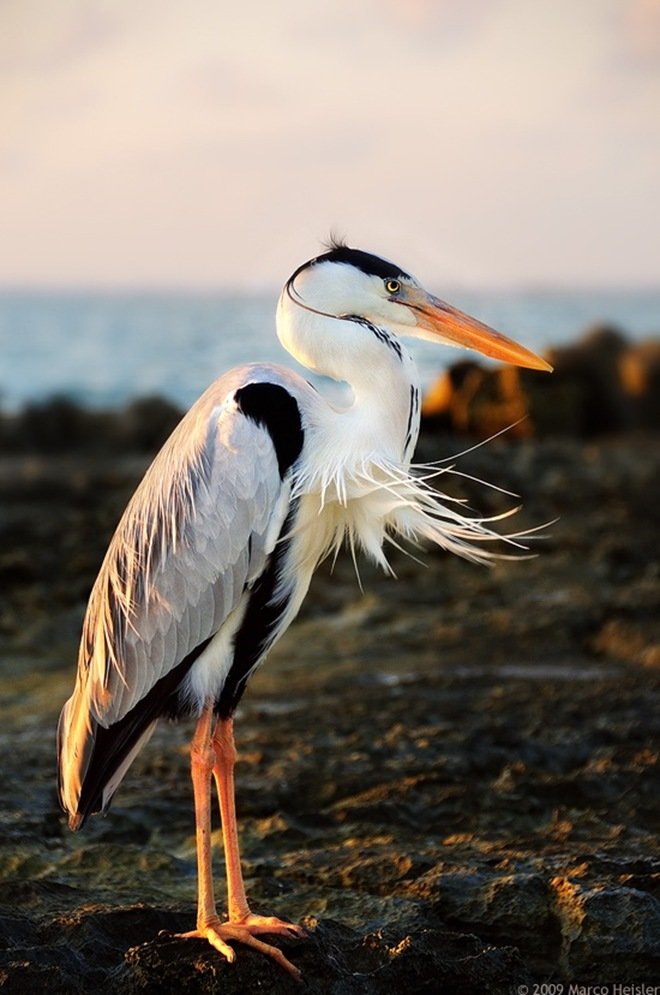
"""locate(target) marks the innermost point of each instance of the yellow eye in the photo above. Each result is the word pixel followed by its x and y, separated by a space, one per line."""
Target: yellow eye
pixel 392 286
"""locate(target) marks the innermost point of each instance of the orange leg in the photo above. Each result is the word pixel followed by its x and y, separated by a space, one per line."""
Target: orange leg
pixel 242 924
pixel 238 908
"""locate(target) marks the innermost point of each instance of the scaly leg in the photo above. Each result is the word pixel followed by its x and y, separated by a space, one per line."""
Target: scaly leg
pixel 238 908
pixel 203 756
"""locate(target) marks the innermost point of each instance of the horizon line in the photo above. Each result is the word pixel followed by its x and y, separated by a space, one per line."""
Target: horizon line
pixel 147 288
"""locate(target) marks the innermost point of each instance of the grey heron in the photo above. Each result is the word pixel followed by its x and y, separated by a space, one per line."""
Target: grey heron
pixel 214 553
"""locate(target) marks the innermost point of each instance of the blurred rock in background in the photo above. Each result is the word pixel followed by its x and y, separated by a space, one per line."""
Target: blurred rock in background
pixel 602 384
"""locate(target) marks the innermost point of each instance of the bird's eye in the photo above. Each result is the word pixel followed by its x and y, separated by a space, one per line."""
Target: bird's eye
pixel 392 286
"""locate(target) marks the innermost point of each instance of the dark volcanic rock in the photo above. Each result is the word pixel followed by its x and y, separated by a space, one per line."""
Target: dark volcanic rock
pixel 337 960
pixel 452 778
pixel 90 950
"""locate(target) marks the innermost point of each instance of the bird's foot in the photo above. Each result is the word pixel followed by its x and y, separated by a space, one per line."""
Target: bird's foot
pixel 246 930
pixel 269 924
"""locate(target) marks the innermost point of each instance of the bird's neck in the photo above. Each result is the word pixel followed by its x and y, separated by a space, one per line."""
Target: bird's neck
pixel 383 418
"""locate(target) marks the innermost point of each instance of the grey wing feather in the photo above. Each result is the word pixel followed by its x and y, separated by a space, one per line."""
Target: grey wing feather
pixel 197 531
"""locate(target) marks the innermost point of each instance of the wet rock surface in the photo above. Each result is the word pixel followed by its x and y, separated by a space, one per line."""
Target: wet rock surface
pixel 451 779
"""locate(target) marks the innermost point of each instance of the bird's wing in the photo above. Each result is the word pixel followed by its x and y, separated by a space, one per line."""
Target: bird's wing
pixel 197 531
pixel 194 537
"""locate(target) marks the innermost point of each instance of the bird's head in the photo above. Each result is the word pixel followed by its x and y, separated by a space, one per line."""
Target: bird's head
pixel 346 283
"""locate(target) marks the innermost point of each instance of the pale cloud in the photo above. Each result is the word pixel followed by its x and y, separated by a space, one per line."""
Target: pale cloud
pixel 206 142
pixel 641 32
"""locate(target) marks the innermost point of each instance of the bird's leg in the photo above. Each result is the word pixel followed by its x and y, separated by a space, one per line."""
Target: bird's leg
pixel 203 762
pixel 237 906
pixel 202 759
pixel 223 772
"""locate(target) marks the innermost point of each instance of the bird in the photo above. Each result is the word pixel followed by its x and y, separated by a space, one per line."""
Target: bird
pixel 262 479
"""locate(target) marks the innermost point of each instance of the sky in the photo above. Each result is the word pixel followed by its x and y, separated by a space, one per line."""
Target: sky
pixel 209 144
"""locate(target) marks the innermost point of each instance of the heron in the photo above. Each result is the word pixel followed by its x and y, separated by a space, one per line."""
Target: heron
pixel 213 556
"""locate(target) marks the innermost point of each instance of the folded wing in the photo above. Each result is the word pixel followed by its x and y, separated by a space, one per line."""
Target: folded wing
pixel 196 535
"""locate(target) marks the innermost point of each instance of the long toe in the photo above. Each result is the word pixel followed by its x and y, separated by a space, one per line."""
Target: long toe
pixel 219 934
pixel 244 934
pixel 257 925
pixel 212 934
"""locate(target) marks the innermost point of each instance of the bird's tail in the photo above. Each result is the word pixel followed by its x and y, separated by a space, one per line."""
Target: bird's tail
pixel 92 760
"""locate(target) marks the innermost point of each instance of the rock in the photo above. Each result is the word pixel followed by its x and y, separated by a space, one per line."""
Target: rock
pixel 585 395
pixel 60 425
pixel 497 907
pixel 599 385
pixel 618 925
pixel 452 777
pixel 639 369
pixel 471 400
pixel 95 949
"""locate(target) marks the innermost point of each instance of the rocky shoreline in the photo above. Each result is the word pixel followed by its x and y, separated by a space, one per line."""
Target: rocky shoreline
pixel 450 778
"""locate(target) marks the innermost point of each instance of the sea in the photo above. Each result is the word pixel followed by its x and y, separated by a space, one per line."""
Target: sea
pixel 103 350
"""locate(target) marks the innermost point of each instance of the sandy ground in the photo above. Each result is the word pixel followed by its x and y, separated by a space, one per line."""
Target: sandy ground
pixel 451 778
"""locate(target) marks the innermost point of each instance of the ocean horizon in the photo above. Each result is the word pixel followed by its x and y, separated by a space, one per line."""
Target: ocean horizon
pixel 103 349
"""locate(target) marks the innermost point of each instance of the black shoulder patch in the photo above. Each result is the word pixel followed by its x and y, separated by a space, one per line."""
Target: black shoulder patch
pixel 272 406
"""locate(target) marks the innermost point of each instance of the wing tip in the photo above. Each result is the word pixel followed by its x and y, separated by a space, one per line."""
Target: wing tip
pixel 76 821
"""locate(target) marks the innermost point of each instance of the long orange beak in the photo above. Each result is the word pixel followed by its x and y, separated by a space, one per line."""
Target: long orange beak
pixel 438 320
